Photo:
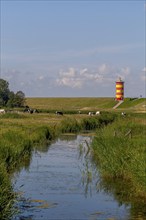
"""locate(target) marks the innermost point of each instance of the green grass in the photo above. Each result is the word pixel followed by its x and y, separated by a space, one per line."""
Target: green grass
pixel 122 157
pixel 70 103
pixel 135 103
pixel 73 105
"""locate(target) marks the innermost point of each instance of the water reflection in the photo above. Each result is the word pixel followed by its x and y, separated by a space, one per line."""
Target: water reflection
pixel 68 137
pixel 89 174
pixel 24 163
pixel 45 146
pixel 120 190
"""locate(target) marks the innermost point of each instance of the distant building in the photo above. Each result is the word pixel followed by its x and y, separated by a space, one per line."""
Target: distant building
pixel 119 90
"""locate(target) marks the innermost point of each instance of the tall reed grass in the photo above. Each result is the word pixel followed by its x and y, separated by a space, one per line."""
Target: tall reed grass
pixel 119 152
pixel 71 124
pixel 6 194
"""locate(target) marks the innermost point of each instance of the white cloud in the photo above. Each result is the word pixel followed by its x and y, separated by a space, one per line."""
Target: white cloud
pixel 103 68
pixel 70 73
pixel 69 82
pixel 83 71
pixel 103 75
pixel 125 71
pixel 69 78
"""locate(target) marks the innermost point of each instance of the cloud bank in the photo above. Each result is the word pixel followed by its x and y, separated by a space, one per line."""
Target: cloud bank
pixel 79 78
pixel 71 81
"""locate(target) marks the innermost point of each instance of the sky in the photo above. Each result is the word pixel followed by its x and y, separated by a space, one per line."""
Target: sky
pixel 73 48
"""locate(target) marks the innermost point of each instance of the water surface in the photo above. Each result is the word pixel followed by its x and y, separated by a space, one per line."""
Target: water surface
pixel 61 183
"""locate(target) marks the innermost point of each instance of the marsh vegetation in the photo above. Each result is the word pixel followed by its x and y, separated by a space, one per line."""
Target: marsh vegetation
pixel 119 156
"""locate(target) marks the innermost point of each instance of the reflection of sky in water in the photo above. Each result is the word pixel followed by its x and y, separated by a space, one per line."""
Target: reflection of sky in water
pixel 55 187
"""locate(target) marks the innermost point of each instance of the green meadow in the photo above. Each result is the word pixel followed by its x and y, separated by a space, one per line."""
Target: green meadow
pixel 85 104
pixel 118 154
pixel 75 104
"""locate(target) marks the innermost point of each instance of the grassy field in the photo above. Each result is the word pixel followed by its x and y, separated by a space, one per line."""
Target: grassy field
pixel 134 104
pixel 85 104
pixel 70 103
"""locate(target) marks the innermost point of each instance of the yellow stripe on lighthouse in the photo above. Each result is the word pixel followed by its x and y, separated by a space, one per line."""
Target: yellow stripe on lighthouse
pixel 119 90
pixel 119 86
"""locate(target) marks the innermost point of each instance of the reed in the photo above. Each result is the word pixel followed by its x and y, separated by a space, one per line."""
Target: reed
pixel 90 123
pixel 70 125
pixel 119 152
pixel 17 140
pixel 6 195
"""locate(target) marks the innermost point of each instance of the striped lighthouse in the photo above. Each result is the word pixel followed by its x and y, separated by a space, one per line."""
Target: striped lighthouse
pixel 119 90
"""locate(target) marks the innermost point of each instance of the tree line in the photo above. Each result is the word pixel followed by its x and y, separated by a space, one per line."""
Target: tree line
pixel 9 98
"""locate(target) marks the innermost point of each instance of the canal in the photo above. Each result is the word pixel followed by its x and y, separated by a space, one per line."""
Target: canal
pixel 61 182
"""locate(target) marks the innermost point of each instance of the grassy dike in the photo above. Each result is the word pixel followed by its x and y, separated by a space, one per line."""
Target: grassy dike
pixel 85 104
pixel 119 151
pixel 20 133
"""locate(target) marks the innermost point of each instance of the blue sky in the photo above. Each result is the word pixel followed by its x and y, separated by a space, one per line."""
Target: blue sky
pixel 73 48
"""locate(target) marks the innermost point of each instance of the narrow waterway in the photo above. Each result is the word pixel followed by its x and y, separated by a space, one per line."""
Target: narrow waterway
pixel 62 183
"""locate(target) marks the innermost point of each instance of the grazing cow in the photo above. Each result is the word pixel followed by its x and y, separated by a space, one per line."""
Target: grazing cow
pixel 35 111
pixel 97 113
pixel 123 114
pixel 30 110
pixel 59 113
pixel 91 113
pixel 26 109
pixel 2 111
